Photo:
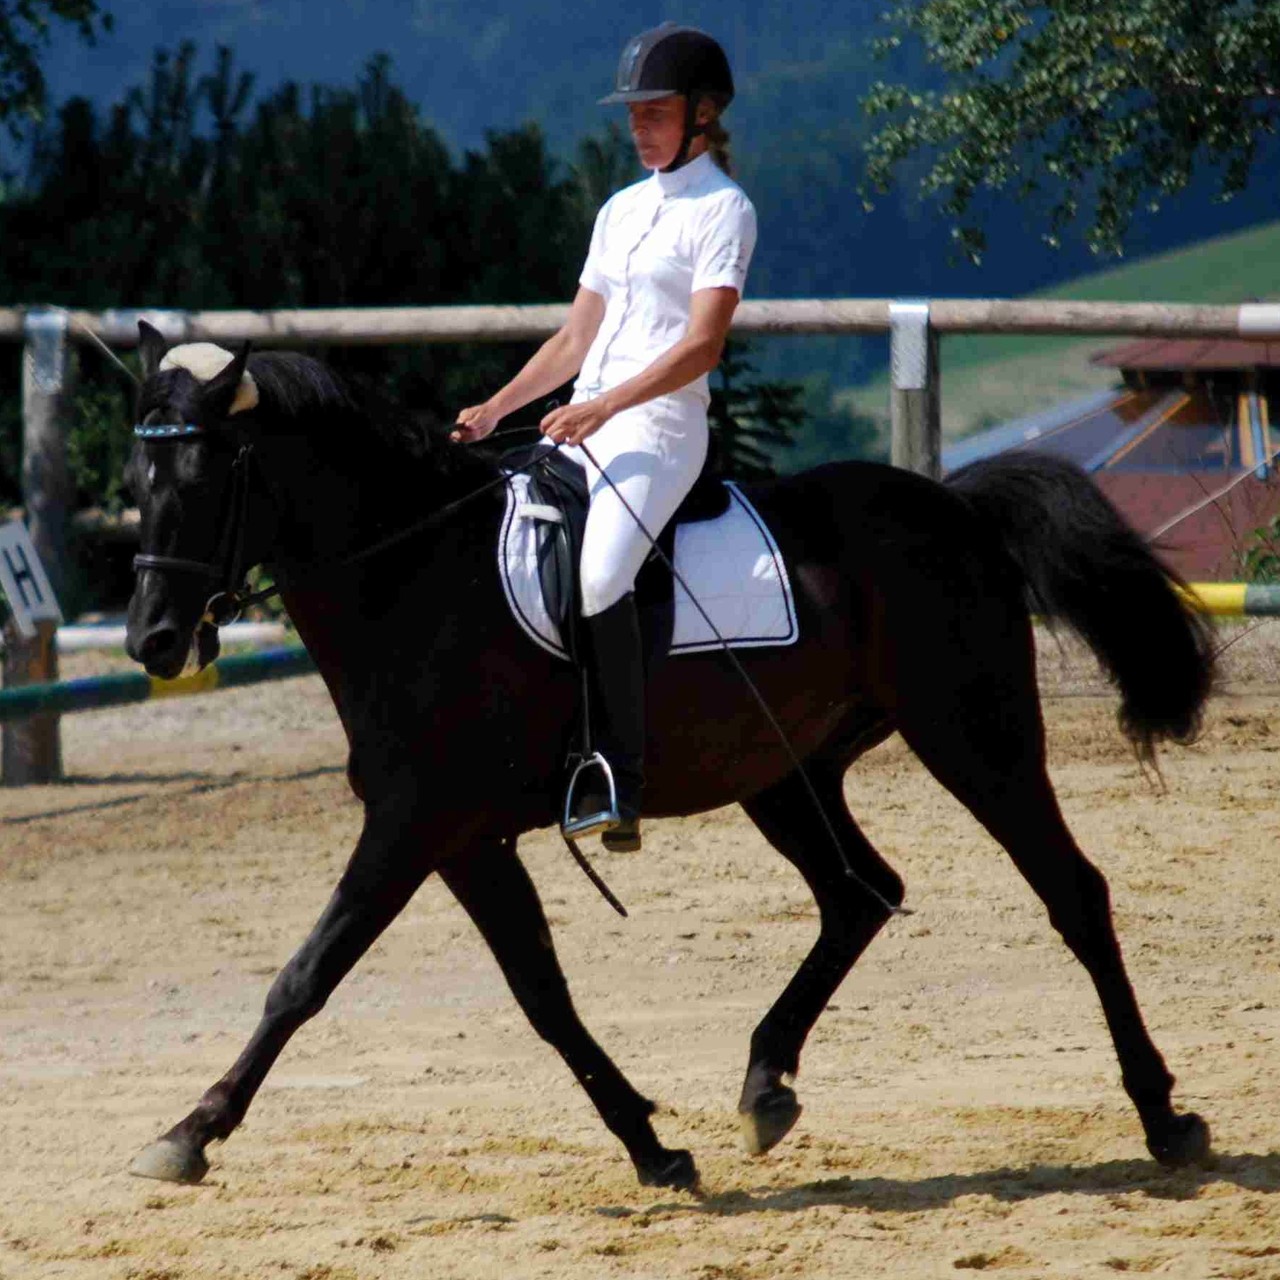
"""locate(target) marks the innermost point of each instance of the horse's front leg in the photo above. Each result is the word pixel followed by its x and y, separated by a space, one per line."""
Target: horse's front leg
pixel 496 892
pixel 389 863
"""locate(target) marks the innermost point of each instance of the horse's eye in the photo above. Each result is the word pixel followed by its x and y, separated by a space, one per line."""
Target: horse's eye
pixel 191 467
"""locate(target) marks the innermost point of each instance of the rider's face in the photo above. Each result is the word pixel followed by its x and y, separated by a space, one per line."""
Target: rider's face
pixel 657 129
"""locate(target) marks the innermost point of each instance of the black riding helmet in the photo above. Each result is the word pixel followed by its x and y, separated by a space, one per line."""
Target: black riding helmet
pixel 672 59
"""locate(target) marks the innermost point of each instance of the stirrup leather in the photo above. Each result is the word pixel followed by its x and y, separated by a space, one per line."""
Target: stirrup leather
pixel 601 820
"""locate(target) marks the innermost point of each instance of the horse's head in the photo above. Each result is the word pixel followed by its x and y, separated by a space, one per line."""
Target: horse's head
pixel 189 475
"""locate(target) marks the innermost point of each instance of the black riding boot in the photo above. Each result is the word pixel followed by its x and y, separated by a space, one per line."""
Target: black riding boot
pixel 616 662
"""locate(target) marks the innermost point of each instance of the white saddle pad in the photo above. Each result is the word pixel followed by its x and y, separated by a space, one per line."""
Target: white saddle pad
pixel 732 566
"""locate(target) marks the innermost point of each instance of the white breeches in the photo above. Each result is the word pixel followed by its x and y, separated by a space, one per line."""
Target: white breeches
pixel 653 453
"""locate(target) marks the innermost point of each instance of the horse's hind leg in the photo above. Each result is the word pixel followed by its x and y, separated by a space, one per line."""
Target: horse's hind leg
pixel 849 918
pixel 986 745
pixel 385 870
pixel 496 892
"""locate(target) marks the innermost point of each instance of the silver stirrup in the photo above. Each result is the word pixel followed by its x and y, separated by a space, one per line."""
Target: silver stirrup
pixel 603 819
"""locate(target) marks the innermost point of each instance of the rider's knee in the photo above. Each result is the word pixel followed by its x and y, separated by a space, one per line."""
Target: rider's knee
pixel 602 586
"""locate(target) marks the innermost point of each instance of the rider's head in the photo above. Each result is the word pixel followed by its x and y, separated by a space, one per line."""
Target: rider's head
pixel 675 82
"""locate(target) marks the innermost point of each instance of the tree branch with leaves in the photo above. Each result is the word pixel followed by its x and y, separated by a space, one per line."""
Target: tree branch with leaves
pixel 1087 110
pixel 24 33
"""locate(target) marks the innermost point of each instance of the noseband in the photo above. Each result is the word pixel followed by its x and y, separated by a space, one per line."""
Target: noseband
pixel 227 603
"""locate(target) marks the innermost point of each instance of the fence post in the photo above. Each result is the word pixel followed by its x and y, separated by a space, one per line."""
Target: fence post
pixel 32 750
pixel 915 401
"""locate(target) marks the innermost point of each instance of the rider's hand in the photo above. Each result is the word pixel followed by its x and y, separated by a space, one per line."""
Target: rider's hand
pixel 475 423
pixel 573 423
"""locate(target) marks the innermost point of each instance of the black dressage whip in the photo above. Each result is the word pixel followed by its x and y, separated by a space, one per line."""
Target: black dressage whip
pixel 849 872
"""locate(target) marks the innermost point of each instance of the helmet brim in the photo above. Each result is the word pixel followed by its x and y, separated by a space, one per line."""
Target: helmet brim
pixel 636 95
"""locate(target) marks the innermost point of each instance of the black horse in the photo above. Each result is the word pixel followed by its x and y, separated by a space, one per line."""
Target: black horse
pixel 914 603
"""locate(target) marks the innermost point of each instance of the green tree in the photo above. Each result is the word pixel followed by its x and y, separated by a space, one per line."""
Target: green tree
pixel 227 94
pixel 604 164
pixel 24 31
pixel 190 195
pixel 751 421
pixel 1260 558
pixel 1086 109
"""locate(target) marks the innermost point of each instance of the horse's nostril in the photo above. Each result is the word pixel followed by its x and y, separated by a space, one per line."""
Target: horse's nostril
pixel 157 645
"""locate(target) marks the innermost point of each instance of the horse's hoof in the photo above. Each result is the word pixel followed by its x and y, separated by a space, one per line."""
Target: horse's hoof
pixel 674 1169
pixel 1185 1142
pixel 771 1118
pixel 170 1162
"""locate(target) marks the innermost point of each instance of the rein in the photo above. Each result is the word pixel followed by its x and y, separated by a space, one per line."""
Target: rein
pixel 226 605
pixel 439 516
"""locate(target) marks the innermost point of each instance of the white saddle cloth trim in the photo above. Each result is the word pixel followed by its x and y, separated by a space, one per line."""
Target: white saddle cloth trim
pixel 732 566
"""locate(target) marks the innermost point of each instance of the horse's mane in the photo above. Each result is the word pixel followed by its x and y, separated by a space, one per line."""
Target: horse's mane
pixel 299 387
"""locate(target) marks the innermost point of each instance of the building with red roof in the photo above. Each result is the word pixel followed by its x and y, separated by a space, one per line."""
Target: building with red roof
pixel 1184 446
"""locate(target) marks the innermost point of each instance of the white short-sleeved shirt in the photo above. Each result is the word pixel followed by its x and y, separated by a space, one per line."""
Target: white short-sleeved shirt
pixel 654 245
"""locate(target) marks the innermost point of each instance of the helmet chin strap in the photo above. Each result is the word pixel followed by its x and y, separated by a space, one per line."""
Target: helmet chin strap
pixel 692 129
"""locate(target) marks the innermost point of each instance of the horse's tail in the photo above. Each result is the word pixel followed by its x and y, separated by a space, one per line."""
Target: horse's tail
pixel 1085 566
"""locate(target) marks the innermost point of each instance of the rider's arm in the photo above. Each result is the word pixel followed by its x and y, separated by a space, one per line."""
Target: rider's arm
pixel 552 365
pixel 698 352
pixel 559 358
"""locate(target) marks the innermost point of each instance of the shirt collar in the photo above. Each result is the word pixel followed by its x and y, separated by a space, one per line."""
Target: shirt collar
pixel 681 179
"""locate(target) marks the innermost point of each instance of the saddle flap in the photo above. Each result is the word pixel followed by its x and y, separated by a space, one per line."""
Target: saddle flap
pixel 558 500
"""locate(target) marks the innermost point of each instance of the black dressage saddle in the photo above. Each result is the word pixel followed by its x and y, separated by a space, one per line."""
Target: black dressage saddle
pixel 558 482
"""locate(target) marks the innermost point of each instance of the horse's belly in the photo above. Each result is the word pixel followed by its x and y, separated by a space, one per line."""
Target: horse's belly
pixel 709 742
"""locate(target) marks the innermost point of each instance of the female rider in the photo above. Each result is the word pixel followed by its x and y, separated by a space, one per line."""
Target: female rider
pixel 663 276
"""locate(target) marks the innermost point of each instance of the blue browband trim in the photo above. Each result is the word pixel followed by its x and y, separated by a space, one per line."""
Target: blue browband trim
pixel 168 432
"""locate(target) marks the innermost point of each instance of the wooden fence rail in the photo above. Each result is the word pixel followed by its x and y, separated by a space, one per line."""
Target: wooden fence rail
pixel 388 325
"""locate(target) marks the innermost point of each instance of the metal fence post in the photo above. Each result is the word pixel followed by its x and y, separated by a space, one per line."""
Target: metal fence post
pixel 915 402
pixel 31 751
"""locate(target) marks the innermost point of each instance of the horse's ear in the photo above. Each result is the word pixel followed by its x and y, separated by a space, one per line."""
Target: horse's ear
pixel 232 390
pixel 151 348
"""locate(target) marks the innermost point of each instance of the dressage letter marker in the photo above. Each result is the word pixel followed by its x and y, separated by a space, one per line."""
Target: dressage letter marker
pixel 24 581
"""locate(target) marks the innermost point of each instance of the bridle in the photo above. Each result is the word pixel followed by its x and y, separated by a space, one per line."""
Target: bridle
pixel 227 568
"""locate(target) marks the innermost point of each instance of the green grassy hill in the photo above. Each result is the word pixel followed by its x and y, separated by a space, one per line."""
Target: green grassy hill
pixel 986 380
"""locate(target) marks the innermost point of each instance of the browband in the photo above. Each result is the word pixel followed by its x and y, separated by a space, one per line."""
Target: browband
pixel 170 432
